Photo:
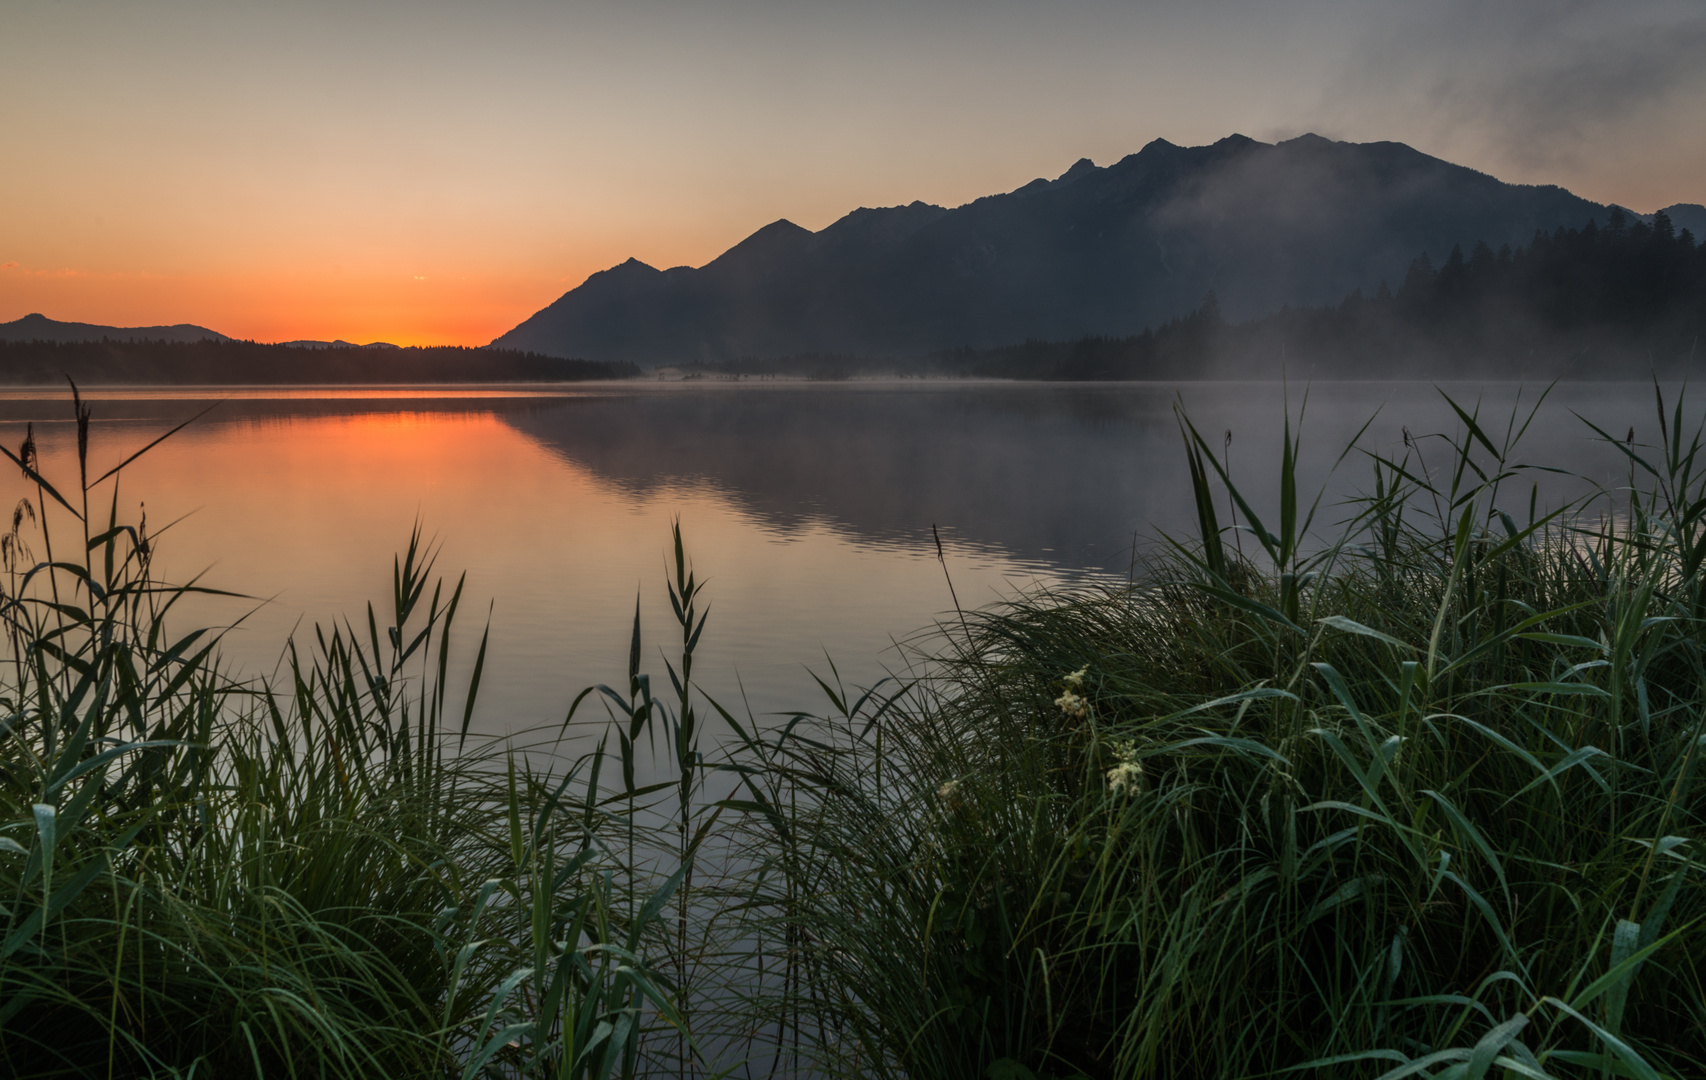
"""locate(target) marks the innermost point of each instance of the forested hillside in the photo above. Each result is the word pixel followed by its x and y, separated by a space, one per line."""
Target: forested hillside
pixel 1622 300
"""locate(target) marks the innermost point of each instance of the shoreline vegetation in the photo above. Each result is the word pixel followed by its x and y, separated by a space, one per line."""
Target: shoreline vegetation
pixel 1414 793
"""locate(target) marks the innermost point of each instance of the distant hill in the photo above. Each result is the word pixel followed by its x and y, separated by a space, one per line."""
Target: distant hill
pixel 338 344
pixel 37 327
pixel 1098 251
pixel 1690 216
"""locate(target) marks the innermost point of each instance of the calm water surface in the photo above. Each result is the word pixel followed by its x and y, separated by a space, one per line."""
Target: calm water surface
pixel 808 507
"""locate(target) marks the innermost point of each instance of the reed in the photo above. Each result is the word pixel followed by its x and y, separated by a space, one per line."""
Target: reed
pixel 1417 799
pixel 207 876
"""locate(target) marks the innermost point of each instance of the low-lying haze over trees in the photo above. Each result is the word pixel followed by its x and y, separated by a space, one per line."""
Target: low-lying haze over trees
pixel 1619 301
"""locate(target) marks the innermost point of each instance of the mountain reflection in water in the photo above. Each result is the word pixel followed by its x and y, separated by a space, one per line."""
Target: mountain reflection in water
pixel 1067 476
pixel 808 507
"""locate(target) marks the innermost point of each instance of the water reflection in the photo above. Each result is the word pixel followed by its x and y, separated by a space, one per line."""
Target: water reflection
pixel 1065 476
pixel 808 507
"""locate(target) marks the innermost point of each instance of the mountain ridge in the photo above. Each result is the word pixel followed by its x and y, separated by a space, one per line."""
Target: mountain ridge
pixel 38 327
pixel 1097 250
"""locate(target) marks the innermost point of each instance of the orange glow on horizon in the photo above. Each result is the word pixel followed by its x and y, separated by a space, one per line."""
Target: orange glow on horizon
pixel 374 172
pixel 423 309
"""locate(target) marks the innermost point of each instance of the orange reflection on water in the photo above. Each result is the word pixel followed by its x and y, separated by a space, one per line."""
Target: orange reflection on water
pixel 306 512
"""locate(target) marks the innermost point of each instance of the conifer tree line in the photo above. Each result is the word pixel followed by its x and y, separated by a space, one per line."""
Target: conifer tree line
pixel 1627 275
pixel 251 363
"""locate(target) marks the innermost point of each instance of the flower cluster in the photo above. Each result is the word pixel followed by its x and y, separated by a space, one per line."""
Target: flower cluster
pixel 1124 778
pixel 1072 705
pixel 1071 702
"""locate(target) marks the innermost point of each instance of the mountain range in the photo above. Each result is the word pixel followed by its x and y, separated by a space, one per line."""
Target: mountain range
pixel 36 327
pixel 340 343
pixel 1096 251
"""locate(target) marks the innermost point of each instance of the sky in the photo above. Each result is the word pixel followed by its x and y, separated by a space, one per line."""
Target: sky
pixel 434 172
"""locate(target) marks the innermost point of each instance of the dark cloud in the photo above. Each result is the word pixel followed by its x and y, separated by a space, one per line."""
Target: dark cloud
pixel 1541 83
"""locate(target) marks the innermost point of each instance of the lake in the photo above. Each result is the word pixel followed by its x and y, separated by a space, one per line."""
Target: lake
pixel 808 507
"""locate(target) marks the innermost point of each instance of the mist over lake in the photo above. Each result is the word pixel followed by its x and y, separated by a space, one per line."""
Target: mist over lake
pixel 808 507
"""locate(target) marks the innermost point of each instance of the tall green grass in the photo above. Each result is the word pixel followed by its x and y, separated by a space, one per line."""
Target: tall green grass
pixel 1413 794
pixel 1420 798
pixel 324 878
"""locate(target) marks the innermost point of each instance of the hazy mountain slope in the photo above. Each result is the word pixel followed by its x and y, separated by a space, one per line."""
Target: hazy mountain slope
pixel 37 327
pixel 1690 216
pixel 1096 251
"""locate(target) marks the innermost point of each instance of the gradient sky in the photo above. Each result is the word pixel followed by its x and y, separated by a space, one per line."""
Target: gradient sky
pixel 436 172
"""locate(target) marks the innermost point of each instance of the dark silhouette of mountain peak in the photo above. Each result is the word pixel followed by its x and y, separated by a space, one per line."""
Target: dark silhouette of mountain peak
pixel 1308 141
pixel 865 228
pixel 779 240
pixel 1104 251
pixel 624 275
pixel 1236 141
pixel 1079 168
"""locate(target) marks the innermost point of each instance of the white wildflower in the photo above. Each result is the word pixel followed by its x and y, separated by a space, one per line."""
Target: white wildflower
pixel 1070 701
pixel 949 791
pixel 1123 779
